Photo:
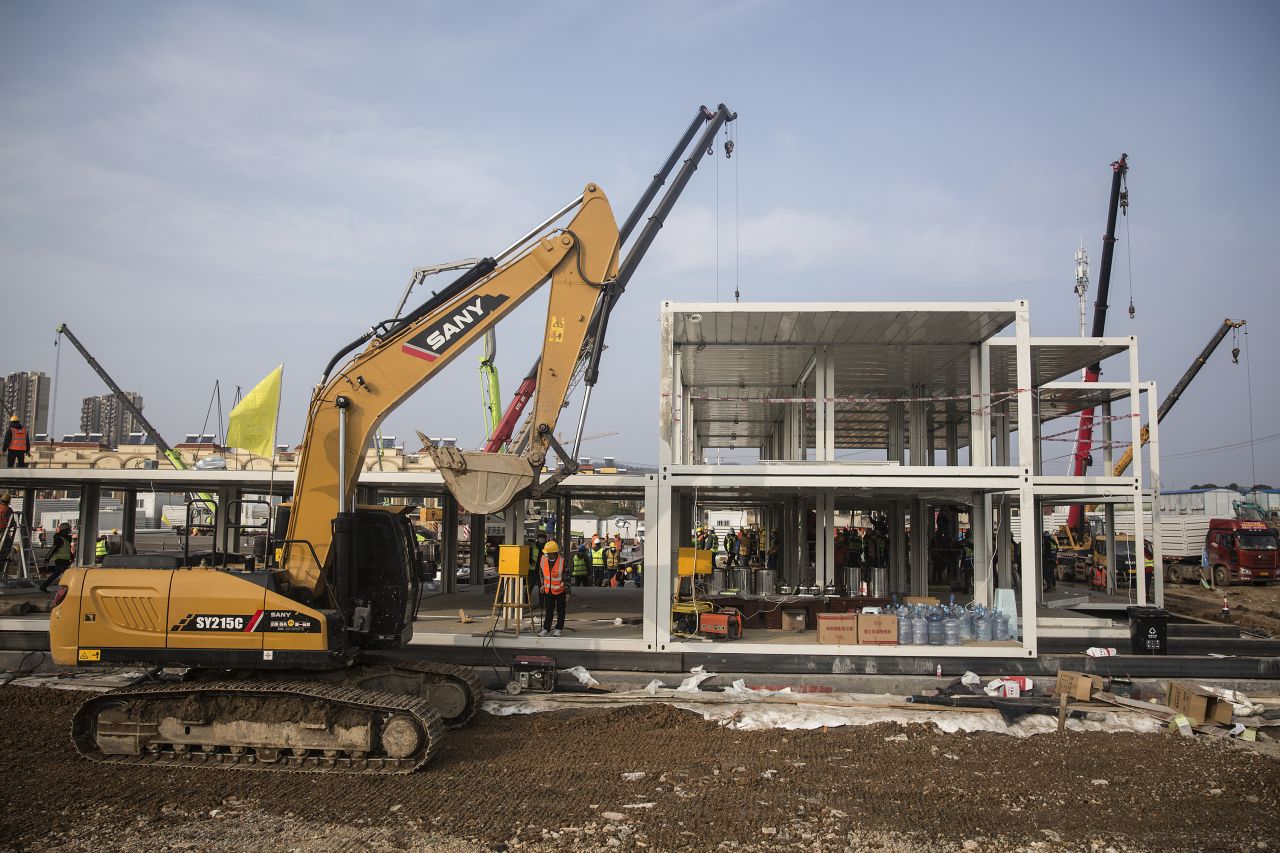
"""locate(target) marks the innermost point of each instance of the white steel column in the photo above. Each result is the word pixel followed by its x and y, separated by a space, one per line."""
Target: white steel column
pixel 1153 447
pixel 651 543
pixel 1004 539
pixel 670 394
pixel 980 532
pixel 1135 436
pixel 513 523
pixel 824 407
pixel 918 429
pixel 1030 550
pixel 980 457
pixel 952 435
pixel 921 525
pixel 1108 511
pixel 825 546
pixel 896 560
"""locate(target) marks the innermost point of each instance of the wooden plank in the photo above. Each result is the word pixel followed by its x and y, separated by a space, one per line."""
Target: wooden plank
pixel 1161 712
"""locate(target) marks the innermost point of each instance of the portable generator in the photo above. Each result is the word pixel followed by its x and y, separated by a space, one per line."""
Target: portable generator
pixel 685 615
pixel 534 673
pixel 724 625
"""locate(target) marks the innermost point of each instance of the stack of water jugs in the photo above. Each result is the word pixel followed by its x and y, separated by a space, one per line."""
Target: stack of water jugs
pixel 949 624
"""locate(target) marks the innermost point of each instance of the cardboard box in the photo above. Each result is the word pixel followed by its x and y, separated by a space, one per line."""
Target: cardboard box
pixel 1198 704
pixel 1077 685
pixel 921 599
pixel 513 560
pixel 838 628
pixel 877 630
pixel 793 620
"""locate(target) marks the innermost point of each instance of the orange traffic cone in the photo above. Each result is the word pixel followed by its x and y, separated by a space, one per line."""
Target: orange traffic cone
pixel 1226 610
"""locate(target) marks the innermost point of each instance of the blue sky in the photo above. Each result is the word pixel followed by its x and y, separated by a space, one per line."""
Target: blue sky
pixel 203 191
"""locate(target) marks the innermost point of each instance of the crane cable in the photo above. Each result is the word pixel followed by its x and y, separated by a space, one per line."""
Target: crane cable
pixel 1128 239
pixel 711 151
pixel 53 401
pixel 730 146
pixel 1248 367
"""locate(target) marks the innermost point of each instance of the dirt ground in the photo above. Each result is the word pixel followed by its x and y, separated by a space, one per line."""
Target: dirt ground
pixel 1253 607
pixel 657 778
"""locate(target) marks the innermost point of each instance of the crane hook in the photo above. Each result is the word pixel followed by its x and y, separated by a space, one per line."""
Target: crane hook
pixel 728 149
pixel 1132 311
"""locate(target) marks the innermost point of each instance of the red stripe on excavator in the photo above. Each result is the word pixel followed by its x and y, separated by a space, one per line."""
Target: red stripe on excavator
pixel 420 353
pixel 253 623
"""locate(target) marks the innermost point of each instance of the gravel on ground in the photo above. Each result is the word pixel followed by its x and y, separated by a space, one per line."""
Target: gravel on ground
pixel 657 779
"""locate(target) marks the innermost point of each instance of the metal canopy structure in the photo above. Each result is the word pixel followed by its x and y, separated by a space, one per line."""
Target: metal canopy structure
pixel 742 365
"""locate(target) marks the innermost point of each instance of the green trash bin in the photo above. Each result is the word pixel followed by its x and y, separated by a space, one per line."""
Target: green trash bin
pixel 1148 631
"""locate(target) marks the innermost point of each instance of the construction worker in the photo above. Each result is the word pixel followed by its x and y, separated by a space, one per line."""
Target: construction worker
pixel 611 563
pixel 535 555
pixel 581 563
pixel 1049 562
pixel 599 561
pixel 16 444
pixel 100 549
pixel 6 519
pixel 732 545
pixel 59 555
pixel 555 588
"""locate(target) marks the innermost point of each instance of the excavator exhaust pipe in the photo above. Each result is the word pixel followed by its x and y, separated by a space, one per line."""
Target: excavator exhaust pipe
pixel 482 483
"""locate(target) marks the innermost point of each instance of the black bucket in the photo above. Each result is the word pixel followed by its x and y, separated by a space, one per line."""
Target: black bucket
pixel 1148 631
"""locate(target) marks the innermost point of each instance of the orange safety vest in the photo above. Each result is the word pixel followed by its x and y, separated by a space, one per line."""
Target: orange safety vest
pixel 18 440
pixel 552 574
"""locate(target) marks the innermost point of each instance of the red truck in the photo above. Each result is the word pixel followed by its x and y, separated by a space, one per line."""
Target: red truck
pixel 1242 551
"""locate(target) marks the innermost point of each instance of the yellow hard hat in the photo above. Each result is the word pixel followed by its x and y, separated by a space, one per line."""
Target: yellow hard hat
pixel 13 419
pixel 551 547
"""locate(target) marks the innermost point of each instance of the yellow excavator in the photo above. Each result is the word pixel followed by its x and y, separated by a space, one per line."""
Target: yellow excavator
pixel 283 664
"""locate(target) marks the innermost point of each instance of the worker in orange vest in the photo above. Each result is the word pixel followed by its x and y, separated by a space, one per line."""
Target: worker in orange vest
pixel 555 588
pixel 16 444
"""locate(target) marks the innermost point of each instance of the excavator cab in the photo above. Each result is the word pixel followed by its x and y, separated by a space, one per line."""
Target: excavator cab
pixel 374 568
pixel 373 574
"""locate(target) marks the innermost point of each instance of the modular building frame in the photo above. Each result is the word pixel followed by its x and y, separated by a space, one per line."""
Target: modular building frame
pixel 899 408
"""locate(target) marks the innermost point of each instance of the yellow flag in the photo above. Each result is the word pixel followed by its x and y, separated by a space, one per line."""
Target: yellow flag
pixel 252 425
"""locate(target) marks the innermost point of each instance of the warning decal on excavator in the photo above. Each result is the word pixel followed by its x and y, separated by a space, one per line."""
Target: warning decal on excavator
pixel 432 342
pixel 90 654
pixel 555 333
pixel 262 621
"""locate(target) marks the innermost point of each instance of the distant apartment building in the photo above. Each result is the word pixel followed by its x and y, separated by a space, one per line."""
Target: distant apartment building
pixel 106 416
pixel 27 396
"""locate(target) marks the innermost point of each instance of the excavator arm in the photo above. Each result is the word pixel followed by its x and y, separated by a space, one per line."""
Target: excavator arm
pixel 579 259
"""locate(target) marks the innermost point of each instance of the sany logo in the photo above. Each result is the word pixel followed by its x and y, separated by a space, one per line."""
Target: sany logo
pixel 431 342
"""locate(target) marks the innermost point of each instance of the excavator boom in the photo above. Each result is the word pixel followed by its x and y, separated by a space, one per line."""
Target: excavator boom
pixel 578 259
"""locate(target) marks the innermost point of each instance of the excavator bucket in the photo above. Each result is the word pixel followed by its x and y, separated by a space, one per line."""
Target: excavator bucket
pixel 482 483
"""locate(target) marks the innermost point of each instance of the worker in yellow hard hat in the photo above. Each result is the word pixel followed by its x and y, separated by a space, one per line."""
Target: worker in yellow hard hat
pixel 555 588
pixel 17 444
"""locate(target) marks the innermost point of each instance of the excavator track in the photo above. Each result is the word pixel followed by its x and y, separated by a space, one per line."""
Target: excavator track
pixel 281 726
pixel 457 704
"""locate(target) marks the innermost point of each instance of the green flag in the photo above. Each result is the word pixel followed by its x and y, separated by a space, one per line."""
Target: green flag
pixel 252 425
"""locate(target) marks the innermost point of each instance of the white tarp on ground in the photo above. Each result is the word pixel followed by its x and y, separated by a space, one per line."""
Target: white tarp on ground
pixel 741 708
